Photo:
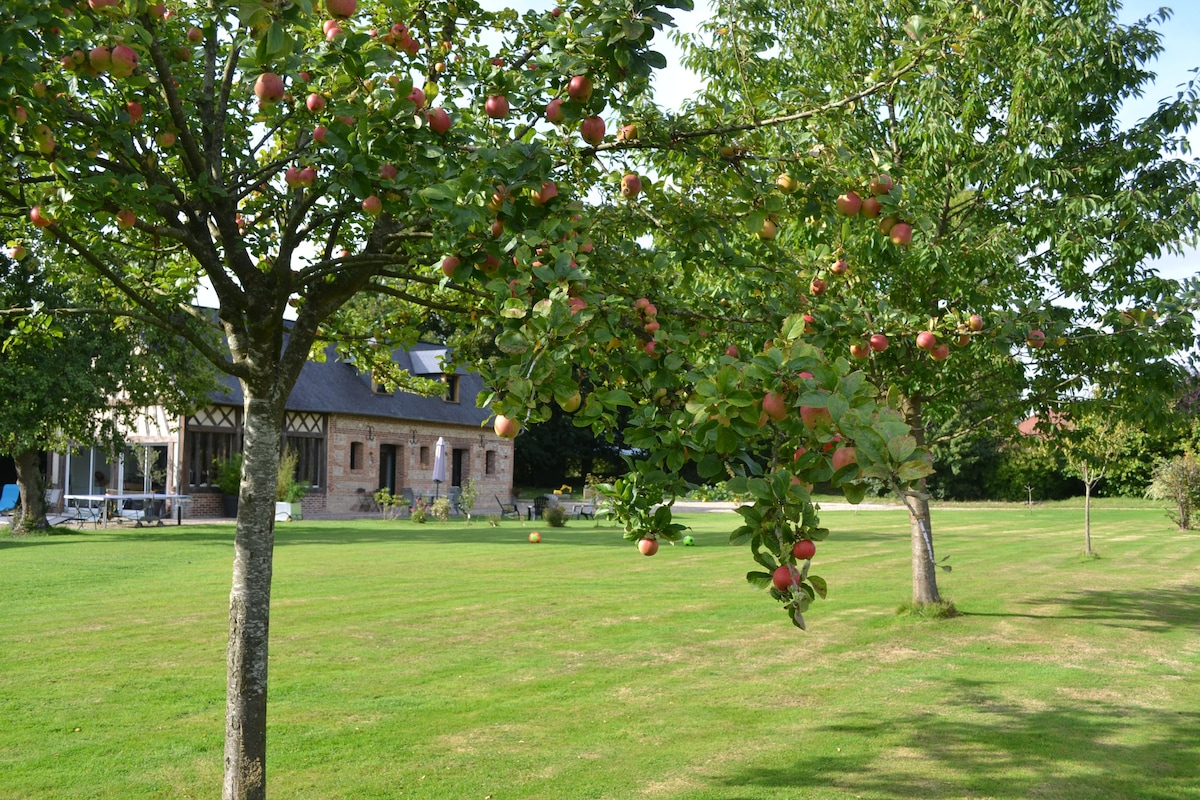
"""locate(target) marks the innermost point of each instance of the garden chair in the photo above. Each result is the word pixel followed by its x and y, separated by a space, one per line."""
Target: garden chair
pixel 581 510
pixel 9 497
pixel 452 494
pixel 507 509
pixel 539 507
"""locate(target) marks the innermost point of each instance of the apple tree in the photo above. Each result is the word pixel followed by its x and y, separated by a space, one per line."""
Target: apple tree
pixel 975 235
pixel 368 173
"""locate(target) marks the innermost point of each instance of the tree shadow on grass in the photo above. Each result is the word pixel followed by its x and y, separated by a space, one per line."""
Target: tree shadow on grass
pixel 986 745
pixel 1157 610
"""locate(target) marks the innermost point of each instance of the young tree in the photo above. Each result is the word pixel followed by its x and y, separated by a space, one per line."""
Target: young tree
pixel 372 170
pixel 1092 444
pixel 77 380
pixel 1177 479
pixel 977 233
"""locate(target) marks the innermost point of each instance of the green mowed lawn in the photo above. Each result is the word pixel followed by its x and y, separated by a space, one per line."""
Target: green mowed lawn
pixel 463 662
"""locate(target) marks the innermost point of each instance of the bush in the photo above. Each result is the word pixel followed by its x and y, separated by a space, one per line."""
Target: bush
pixel 229 474
pixel 555 516
pixel 441 509
pixel 1177 480
pixel 287 488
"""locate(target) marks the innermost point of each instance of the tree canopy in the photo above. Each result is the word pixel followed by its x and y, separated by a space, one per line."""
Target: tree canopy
pixel 380 171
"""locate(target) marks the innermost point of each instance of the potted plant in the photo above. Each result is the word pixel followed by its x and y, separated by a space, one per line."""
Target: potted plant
pixel 229 481
pixel 288 490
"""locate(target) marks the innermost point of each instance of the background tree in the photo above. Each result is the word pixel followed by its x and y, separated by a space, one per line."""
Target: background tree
pixel 364 169
pixel 988 214
pixel 1092 445
pixel 1177 480
pixel 77 380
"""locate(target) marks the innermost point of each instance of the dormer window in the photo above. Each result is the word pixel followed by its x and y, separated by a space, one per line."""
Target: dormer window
pixel 376 386
pixel 451 394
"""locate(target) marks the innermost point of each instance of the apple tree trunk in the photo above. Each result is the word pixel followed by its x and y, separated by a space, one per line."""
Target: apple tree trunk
pixel 1087 517
pixel 250 603
pixel 924 565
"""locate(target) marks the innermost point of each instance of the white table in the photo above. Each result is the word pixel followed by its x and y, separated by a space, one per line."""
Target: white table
pixel 95 507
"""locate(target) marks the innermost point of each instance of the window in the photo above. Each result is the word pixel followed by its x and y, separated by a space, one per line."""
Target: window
pixel 377 387
pixel 489 462
pixel 304 434
pixel 451 395
pixel 356 455
pixel 424 455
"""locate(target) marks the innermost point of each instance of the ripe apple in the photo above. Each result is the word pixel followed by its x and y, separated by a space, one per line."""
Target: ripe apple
pixel 627 133
pixel 554 112
pixel 134 109
pixel 784 577
pixel 768 231
pixel 927 340
pixel 804 549
pixel 372 205
pixel 775 406
pixel 38 218
pixel 195 35
pixel 849 204
pixel 881 184
pixel 592 130
pixel 268 88
pixel 17 252
pixel 878 342
pixel 572 403
pixel 1035 339
pixel 648 546
pixel 813 416
pixel 124 61
pixel 315 103
pixel 651 327
pixel 901 234
pixel 534 537
pixel 840 267
pixel 341 8
pixel 126 218
pixel 417 96
pixel 786 183
pixel 860 350
pixel 506 427
pixel 650 310
pixel 871 208
pixel 886 224
pixel 940 353
pixel 449 264
pixel 496 106
pixel 439 121
pixel 318 134
pixel 388 172
pixel 650 348
pixel 817 287
pixel 579 88
pixel 166 139
pixel 975 323
pixel 576 304
pixel 100 58
pixel 631 185
pixel 843 456
pixel 731 351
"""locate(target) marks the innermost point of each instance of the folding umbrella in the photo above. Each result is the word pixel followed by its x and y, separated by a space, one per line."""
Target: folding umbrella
pixel 439 465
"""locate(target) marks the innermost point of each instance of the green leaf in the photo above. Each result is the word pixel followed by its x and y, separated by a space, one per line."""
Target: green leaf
pixel 901 447
pixel 760 579
pixel 819 586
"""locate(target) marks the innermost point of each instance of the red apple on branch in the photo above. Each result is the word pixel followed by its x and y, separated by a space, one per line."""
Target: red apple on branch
pixel 268 88
pixel 804 549
pixel 449 264
pixel 815 416
pixel 975 323
pixel 1035 339
pixel 579 88
pixel 439 121
pixel 631 185
pixel 881 184
pixel 341 8
pixel 901 234
pixel 871 208
pixel 784 577
pixel 496 106
pixel 860 350
pixel 506 427
pixel 554 112
pixel 372 205
pixel 592 130
pixel 927 340
pixel 844 456
pixel 648 546
pixel 878 342
pixel 775 406
pixel 849 204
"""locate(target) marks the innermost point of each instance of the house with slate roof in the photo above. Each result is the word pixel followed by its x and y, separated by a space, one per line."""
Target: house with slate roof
pixel 352 437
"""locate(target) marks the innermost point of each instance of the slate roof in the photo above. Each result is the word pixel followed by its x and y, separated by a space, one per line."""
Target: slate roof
pixel 337 387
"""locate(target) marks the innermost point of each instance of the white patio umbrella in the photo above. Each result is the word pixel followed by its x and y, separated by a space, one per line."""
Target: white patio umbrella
pixel 439 465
